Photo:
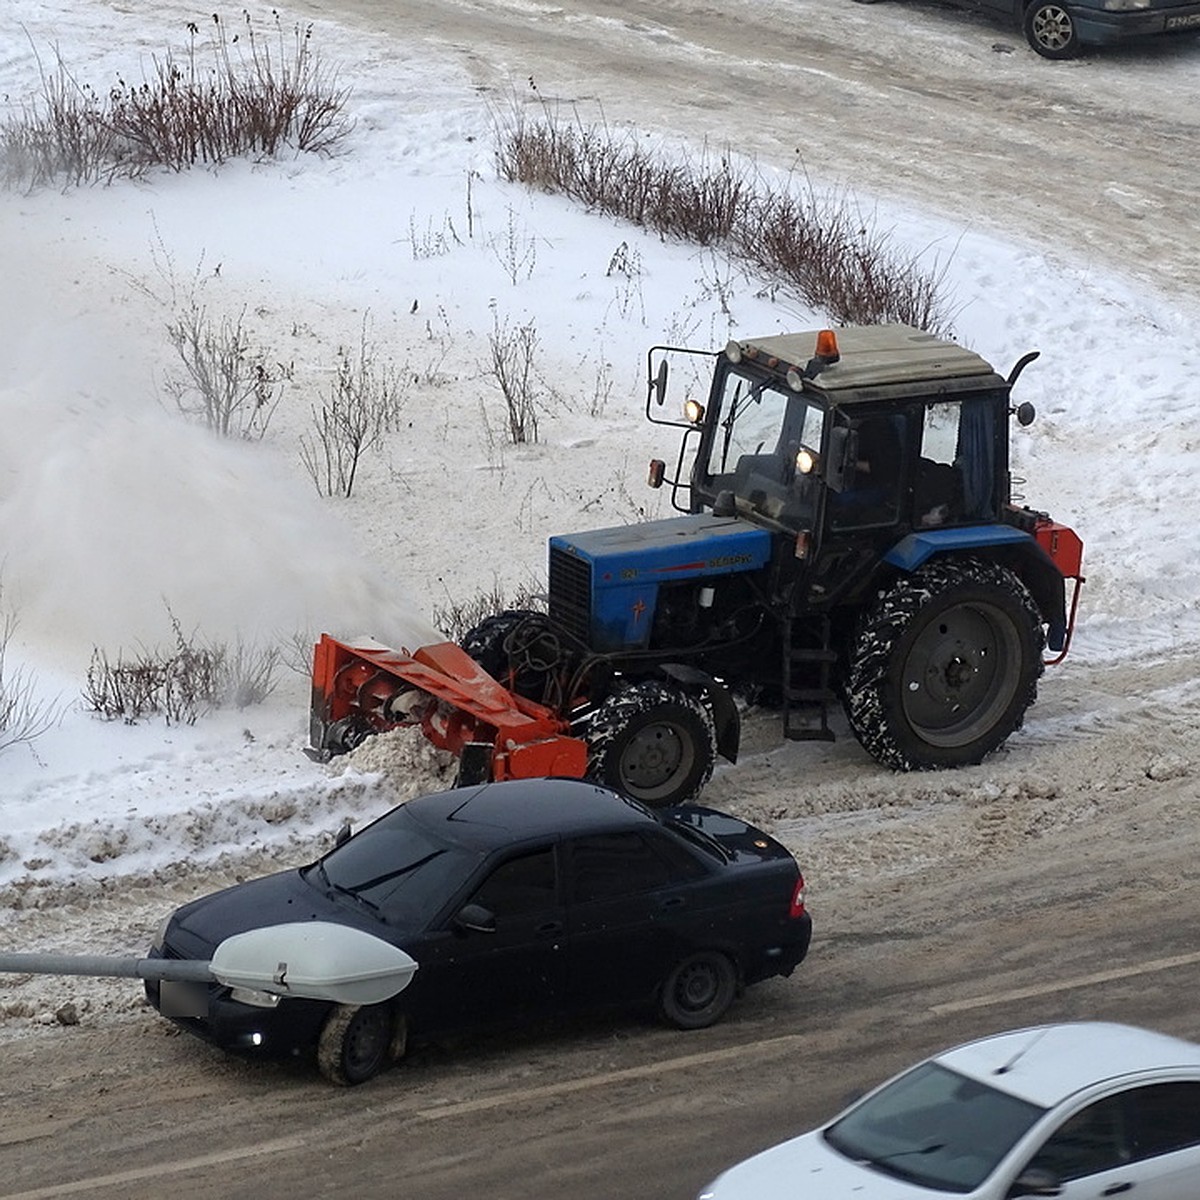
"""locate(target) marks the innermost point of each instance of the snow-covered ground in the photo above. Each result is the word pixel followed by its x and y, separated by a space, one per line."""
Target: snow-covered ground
pixel 116 513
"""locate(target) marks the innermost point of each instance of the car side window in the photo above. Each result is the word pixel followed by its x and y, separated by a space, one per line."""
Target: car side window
pixel 1163 1117
pixel 528 883
pixel 608 865
pixel 1094 1139
pixel 681 861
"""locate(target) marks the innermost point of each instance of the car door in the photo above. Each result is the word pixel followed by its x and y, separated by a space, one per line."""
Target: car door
pixel 627 896
pixel 471 977
pixel 1143 1140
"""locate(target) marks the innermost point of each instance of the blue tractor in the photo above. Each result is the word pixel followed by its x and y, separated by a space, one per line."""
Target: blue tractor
pixel 847 536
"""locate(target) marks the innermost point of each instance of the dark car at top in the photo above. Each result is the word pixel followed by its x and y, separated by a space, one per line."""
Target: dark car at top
pixel 519 901
pixel 1063 28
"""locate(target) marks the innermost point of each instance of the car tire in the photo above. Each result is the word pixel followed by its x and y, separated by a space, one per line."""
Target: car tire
pixel 356 1043
pixel 699 990
pixel 652 741
pixel 943 666
pixel 1051 30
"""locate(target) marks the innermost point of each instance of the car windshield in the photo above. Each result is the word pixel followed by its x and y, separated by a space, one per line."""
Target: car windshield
pixel 397 868
pixel 935 1128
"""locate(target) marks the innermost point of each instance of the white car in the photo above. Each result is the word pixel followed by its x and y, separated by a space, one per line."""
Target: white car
pixel 1078 1110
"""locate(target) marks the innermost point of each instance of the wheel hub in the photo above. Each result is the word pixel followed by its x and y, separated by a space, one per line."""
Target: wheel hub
pixel 955 678
pixel 653 757
pixel 1052 28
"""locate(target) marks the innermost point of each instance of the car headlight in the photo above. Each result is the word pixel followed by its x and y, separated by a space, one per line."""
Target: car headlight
pixel 1125 5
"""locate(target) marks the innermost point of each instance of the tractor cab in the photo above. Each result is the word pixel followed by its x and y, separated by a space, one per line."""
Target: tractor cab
pixel 855 436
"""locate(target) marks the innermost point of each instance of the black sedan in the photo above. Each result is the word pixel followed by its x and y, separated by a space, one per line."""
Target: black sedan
pixel 518 901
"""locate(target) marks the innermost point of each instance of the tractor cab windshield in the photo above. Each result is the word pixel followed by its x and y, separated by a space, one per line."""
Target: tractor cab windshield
pixel 762 447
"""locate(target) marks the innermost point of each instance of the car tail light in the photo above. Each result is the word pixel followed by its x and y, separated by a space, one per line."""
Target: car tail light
pixel 796 908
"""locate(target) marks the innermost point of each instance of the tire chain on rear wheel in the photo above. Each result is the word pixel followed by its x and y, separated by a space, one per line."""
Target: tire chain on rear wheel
pixel 886 621
pixel 613 716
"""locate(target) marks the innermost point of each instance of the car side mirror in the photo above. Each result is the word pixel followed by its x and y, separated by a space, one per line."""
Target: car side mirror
pixel 1035 1181
pixel 343 835
pixel 474 918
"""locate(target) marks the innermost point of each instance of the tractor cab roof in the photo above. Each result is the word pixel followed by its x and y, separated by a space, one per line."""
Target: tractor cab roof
pixel 873 362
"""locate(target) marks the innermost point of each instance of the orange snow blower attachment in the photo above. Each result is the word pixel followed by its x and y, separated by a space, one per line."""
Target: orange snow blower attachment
pixel 362 687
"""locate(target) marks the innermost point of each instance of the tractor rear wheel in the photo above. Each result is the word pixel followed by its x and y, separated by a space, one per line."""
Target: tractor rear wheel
pixel 943 666
pixel 652 741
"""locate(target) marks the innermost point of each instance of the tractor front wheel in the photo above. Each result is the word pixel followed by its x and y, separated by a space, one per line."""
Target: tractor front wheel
pixel 652 741
pixel 943 666
pixel 517 648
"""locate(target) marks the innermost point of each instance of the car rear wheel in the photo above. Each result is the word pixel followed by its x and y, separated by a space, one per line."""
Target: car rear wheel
pixel 699 990
pixel 1051 29
pixel 355 1043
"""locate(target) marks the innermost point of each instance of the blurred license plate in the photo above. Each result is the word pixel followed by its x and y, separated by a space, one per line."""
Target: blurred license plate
pixel 177 999
pixel 1191 21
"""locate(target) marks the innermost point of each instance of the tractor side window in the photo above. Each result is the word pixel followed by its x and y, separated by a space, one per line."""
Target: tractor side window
pixel 938 487
pixel 878 473
pixel 956 472
pixel 977 457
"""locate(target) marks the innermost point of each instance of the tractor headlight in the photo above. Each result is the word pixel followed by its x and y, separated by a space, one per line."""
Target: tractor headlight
pixel 693 411
pixel 806 461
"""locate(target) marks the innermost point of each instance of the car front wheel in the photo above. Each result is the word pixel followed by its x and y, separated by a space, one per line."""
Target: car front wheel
pixel 1051 29
pixel 355 1043
pixel 699 990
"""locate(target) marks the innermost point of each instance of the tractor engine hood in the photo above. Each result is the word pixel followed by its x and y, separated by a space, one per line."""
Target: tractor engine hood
pixel 609 578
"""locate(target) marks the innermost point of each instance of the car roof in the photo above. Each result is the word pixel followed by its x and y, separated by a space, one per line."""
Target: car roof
pixel 1048 1063
pixel 517 810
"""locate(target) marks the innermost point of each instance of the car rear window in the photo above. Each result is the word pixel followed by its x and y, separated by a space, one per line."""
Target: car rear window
pixel 397 867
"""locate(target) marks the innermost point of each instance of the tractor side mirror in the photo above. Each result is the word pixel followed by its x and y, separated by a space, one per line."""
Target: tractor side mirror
pixel 1025 413
pixel 843 454
pixel 659 385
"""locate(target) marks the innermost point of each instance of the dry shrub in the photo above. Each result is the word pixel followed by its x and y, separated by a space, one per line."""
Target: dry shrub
pixel 454 618
pixel 364 404
pixel 231 387
pixel 183 683
pixel 24 716
pixel 226 96
pixel 818 248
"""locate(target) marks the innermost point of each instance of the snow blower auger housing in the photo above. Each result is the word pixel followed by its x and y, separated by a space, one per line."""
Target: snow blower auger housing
pixel 848 535
pixel 362 687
